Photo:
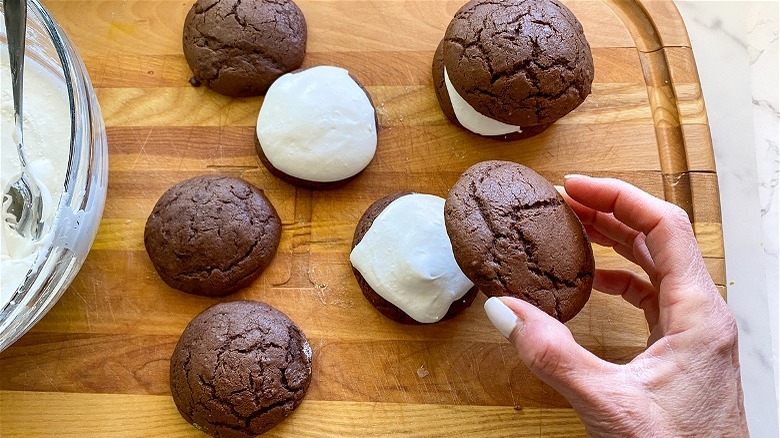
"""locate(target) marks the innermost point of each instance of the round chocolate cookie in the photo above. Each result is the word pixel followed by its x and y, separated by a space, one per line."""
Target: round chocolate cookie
pixel 513 234
pixel 317 128
pixel 521 62
pixel 239 369
pixel 238 48
pixel 443 96
pixel 211 235
pixel 385 307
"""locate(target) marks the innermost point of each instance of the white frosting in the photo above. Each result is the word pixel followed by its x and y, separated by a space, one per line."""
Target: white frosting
pixel 317 125
pixel 472 119
pixel 406 257
pixel 46 140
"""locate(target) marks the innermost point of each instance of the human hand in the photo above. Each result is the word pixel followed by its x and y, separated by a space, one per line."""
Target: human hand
pixel 687 381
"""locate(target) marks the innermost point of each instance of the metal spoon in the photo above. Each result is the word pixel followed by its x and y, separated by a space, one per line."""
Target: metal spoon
pixel 26 202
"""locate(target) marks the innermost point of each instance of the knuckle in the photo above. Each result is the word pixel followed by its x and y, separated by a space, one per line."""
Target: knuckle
pixel 724 333
pixel 682 222
pixel 678 224
pixel 546 360
pixel 678 216
pixel 729 330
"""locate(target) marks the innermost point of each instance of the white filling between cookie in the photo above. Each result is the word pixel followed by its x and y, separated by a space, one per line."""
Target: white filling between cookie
pixel 406 257
pixel 472 119
pixel 317 125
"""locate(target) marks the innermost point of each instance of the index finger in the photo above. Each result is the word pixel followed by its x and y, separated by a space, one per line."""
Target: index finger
pixel 668 231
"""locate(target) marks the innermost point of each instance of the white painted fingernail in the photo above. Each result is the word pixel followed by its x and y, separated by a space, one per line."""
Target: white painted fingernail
pixel 501 316
pixel 573 175
pixel 560 189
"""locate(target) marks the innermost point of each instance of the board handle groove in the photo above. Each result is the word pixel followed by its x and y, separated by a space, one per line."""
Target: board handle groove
pixel 672 150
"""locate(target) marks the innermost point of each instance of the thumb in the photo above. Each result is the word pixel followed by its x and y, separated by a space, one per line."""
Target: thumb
pixel 546 346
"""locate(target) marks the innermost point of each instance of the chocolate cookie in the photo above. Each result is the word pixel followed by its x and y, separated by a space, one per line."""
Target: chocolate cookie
pixel 238 48
pixel 385 307
pixel 513 234
pixel 239 369
pixel 317 128
pixel 521 62
pixel 443 96
pixel 211 235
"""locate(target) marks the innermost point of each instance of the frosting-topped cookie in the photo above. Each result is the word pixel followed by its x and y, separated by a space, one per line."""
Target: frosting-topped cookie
pixel 317 126
pixel 403 254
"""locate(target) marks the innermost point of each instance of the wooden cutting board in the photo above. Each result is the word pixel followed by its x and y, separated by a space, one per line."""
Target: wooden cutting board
pixel 97 364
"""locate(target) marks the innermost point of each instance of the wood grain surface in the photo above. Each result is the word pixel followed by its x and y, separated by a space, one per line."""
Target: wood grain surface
pixel 97 364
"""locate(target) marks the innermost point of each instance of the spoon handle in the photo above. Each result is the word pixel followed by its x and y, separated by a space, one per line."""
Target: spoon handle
pixel 15 14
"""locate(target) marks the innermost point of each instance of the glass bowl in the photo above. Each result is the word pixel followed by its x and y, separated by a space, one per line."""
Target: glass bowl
pixel 70 231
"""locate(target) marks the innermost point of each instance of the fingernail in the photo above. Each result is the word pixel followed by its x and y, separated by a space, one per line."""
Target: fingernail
pixel 501 316
pixel 573 175
pixel 560 189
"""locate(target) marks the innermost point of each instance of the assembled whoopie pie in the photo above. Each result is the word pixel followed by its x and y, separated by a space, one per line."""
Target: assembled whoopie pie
pixel 510 68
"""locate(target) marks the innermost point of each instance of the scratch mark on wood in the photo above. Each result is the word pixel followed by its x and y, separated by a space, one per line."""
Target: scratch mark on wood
pixel 86 309
pixel 43 372
pixel 508 374
pixel 142 150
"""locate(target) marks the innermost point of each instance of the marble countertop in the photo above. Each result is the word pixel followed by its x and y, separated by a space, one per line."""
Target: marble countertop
pixel 735 44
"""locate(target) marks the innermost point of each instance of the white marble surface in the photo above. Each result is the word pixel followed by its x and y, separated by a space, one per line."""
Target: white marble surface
pixel 736 48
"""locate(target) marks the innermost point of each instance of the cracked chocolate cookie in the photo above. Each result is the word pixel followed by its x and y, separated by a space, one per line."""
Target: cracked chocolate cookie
pixel 211 235
pixel 513 234
pixel 239 47
pixel 384 306
pixel 239 369
pixel 510 68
